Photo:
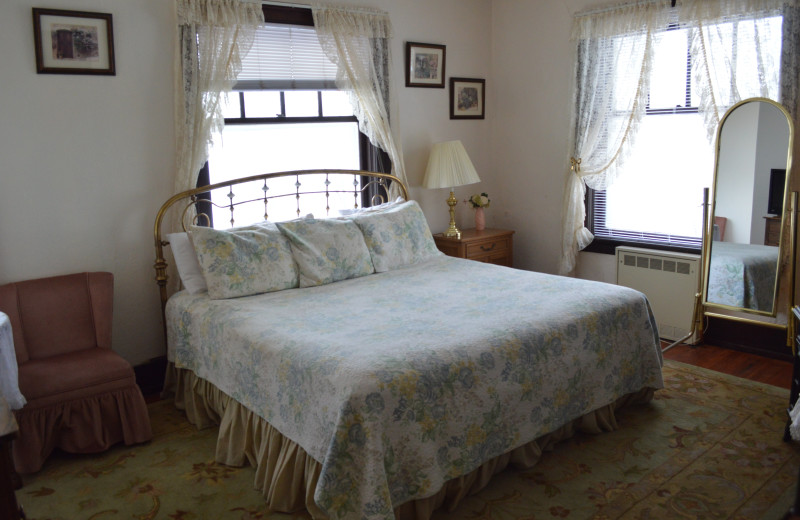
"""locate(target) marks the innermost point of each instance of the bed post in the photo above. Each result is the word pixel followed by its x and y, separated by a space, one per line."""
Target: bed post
pixel 160 265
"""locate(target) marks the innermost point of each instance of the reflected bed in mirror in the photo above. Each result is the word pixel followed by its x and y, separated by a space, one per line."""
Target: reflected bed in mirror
pixel 743 275
pixel 743 257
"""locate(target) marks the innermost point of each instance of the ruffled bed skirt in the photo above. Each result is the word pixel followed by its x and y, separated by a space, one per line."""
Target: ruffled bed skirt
pixel 287 476
pixel 86 425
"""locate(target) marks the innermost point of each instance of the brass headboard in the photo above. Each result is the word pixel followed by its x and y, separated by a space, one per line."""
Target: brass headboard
pixel 363 182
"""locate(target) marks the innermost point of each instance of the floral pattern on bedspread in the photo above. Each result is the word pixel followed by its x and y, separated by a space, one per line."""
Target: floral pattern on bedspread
pixel 400 381
pixel 743 275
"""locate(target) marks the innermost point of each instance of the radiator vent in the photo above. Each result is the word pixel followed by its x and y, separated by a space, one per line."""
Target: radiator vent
pixel 669 280
pixel 658 264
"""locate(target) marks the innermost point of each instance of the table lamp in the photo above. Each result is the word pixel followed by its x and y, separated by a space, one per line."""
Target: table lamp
pixel 449 166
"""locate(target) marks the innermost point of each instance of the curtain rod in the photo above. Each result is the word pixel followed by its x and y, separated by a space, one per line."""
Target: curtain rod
pixel 287 4
pixel 338 7
pixel 617 7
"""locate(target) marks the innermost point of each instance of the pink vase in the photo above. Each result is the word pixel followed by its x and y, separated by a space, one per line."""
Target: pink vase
pixel 480 219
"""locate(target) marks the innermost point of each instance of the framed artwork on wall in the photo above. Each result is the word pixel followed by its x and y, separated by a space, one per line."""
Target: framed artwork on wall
pixel 73 42
pixel 425 65
pixel 467 98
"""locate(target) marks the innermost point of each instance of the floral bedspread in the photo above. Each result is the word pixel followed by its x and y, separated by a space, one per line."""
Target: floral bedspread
pixel 743 275
pixel 399 381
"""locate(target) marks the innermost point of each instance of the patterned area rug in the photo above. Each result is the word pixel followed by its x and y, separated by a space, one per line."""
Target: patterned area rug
pixel 708 446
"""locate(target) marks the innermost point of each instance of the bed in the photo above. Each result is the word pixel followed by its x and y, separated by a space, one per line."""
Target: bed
pixel 395 380
pixel 743 275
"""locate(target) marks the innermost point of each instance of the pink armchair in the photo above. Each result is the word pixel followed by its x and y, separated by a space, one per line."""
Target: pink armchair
pixel 81 396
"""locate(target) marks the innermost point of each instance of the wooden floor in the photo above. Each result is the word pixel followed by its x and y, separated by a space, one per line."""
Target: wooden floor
pixel 748 366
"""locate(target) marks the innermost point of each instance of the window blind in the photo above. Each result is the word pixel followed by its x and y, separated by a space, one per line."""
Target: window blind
pixel 599 229
pixel 286 57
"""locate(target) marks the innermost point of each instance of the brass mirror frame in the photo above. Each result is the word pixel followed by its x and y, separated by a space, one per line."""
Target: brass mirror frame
pixel 788 217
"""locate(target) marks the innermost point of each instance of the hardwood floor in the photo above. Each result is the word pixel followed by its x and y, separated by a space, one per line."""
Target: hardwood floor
pixel 741 364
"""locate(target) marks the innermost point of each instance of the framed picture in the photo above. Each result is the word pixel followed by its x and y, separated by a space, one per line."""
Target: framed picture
pixel 425 65
pixel 73 42
pixel 467 98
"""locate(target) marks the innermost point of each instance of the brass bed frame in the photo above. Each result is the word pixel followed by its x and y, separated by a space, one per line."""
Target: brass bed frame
pixel 374 185
pixel 182 383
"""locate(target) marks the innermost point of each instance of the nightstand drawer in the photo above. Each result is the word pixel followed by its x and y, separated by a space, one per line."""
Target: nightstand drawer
pixel 493 246
pixel 488 247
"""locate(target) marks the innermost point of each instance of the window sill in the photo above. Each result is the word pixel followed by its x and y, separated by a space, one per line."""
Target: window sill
pixel 608 247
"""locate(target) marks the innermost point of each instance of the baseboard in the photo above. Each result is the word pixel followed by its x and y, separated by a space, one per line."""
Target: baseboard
pixel 747 337
pixel 150 375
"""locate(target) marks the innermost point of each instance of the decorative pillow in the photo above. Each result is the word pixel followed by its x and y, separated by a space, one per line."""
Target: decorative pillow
pixel 327 250
pixel 243 261
pixel 189 269
pixel 397 237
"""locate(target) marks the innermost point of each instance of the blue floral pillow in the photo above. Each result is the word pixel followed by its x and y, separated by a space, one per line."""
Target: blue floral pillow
pixel 327 250
pixel 243 261
pixel 397 237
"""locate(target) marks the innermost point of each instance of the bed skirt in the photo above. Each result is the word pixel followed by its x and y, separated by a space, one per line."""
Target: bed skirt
pixel 287 476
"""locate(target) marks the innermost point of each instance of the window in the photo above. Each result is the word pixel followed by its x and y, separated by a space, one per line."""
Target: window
pixel 656 201
pixel 286 114
pixel 657 198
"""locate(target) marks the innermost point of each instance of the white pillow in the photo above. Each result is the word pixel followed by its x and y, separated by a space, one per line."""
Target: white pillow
pixel 243 261
pixel 186 261
pixel 379 207
pixel 327 250
pixel 397 237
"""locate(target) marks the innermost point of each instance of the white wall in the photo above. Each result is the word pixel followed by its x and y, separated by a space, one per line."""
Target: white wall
pixel 533 65
pixel 734 184
pixel 772 144
pixel 464 26
pixel 87 160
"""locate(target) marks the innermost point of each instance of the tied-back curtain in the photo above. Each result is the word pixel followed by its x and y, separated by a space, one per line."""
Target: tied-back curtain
pixel 213 35
pixel 614 56
pixel 732 59
pixel 357 41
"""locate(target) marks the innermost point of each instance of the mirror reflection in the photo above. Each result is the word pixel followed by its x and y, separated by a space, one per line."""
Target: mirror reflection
pixel 747 212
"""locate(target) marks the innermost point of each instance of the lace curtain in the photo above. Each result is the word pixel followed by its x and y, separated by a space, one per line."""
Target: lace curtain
pixel 729 64
pixel 614 55
pixel 213 35
pixel 790 63
pixel 357 41
pixel 730 59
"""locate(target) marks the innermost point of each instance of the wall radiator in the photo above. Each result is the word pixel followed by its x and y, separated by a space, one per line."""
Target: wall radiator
pixel 669 280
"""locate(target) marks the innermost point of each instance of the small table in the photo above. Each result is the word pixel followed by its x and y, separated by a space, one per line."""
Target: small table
pixel 494 246
pixel 794 391
pixel 9 480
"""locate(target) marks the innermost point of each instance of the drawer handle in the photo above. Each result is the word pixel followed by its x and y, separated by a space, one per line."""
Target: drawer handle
pixel 488 248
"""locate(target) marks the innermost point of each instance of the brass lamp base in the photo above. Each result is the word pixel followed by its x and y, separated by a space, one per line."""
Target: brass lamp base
pixel 452 230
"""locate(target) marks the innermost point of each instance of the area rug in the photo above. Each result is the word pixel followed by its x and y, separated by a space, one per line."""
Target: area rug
pixel 710 446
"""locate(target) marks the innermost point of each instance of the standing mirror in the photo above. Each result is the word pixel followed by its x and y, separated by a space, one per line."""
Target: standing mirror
pixel 750 211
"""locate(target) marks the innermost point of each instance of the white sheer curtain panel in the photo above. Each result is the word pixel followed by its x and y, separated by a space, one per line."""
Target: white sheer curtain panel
pixel 357 41
pixel 212 37
pixel 614 55
pixel 735 52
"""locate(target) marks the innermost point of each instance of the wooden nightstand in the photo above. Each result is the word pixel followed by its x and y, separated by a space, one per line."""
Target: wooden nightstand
pixel 772 231
pixel 489 245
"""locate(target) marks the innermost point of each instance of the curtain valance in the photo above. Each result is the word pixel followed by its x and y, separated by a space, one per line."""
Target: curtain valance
pixel 221 13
